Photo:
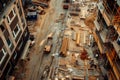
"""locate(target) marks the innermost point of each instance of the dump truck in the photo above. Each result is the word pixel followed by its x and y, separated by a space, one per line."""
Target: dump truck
pixel 48 46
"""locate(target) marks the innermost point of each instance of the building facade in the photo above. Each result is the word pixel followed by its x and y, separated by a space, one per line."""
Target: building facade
pixel 13 35
pixel 107 36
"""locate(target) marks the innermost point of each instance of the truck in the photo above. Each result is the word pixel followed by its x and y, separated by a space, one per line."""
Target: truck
pixel 48 46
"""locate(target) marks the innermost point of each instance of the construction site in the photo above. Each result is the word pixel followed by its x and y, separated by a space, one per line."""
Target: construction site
pixel 67 40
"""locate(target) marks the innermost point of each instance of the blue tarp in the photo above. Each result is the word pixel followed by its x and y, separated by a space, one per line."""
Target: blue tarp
pixel 32 16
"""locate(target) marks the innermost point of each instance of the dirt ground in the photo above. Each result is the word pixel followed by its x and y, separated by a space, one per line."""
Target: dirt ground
pixel 33 69
pixel 56 20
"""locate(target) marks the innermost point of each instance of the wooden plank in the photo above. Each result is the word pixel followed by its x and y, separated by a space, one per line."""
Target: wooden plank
pixel 64 47
pixel 77 39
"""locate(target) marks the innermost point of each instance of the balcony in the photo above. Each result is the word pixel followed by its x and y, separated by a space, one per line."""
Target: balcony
pixel 99 42
pixel 117 28
pixel 100 19
pixel 100 7
pixel 104 35
pixel 107 17
pixel 115 64
pixel 97 25
pixel 110 10
pixel 117 47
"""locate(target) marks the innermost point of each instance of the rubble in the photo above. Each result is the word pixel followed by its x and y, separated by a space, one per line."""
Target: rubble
pixel 73 61
pixel 42 4
pixel 76 64
pixel 64 47
pixel 66 4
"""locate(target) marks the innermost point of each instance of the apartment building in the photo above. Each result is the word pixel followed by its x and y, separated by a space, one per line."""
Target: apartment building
pixel 13 35
pixel 107 36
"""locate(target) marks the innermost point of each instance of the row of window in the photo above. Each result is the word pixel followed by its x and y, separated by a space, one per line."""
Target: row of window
pixel 15 33
pixel 101 20
pixel 11 16
pixel 3 53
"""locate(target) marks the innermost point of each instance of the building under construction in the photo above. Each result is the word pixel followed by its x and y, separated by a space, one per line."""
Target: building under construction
pixel 107 36
pixel 59 40
pixel 13 35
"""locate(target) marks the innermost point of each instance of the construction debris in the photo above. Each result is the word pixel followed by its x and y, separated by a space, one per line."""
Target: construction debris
pixel 78 39
pixel 66 4
pixel 64 47
pixel 84 55
pixel 42 4
pixel 76 64
pixel 75 61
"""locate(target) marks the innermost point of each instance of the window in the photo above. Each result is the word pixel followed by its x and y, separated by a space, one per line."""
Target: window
pixel 18 5
pixel 26 33
pixel 1 6
pixel 118 41
pixel 3 53
pixel 2 27
pixel 9 42
pixel 16 31
pixel 15 56
pixel 11 16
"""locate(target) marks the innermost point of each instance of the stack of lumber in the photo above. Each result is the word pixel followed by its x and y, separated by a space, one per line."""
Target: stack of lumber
pixel 64 47
pixel 77 39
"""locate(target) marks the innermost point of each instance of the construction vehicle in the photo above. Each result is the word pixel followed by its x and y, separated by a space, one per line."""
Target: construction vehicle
pixel 48 46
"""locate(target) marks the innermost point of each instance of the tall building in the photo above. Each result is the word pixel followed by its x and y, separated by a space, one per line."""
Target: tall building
pixel 107 36
pixel 13 34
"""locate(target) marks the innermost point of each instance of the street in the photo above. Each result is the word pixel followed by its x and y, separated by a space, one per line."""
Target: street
pixel 38 59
